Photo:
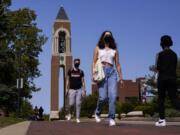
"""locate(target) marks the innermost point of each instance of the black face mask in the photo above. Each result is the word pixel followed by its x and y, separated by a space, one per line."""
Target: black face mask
pixel 107 39
pixel 76 65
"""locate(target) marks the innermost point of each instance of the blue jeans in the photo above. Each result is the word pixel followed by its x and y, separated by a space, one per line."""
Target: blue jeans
pixel 108 90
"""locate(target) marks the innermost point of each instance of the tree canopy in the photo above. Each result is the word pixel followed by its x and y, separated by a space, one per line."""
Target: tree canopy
pixel 21 43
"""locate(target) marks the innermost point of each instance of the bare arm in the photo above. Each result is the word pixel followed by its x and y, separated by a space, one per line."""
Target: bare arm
pixel 67 84
pixel 83 87
pixel 118 66
pixel 95 57
pixel 83 83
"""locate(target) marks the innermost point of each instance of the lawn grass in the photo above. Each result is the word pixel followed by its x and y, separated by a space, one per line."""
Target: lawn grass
pixel 6 121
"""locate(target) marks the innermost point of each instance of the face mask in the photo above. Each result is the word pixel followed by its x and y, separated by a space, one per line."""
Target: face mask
pixel 107 39
pixel 76 65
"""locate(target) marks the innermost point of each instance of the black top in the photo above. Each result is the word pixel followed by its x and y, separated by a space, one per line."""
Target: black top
pixel 167 64
pixel 75 78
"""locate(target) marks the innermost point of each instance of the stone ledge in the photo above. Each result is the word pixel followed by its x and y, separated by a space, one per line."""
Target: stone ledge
pixel 168 119
pixel 105 116
pixel 134 113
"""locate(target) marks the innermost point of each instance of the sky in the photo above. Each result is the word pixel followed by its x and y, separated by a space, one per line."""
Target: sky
pixel 137 26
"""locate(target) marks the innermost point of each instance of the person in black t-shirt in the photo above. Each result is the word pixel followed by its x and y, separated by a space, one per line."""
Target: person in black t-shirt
pixel 41 110
pixel 166 65
pixel 75 87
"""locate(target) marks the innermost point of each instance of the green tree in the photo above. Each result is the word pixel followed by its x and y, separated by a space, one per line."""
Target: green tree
pixel 26 45
pixel 152 78
pixel 8 98
pixel 4 9
pixel 8 94
pixel 27 109
pixel 21 43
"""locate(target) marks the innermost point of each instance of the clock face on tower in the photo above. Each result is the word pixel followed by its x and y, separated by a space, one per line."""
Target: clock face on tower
pixel 62 42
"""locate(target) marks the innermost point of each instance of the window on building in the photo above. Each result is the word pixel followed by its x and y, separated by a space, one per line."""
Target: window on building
pixel 62 42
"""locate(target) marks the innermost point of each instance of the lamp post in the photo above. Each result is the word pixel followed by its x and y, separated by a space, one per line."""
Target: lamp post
pixel 19 80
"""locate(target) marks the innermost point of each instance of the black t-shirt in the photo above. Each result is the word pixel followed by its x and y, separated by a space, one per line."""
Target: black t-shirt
pixel 75 78
pixel 167 64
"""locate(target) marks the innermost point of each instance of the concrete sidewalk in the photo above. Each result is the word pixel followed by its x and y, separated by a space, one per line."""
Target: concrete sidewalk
pixel 16 129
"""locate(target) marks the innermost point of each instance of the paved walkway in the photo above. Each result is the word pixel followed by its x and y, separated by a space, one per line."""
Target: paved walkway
pixel 16 129
pixel 89 127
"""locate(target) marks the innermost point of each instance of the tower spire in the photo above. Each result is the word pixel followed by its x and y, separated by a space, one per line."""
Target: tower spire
pixel 62 14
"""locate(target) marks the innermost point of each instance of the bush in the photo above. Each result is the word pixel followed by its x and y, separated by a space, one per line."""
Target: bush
pixel 118 109
pixel 172 113
pixel 27 109
pixel 88 105
pixel 62 114
pixel 154 104
pixel 168 103
pixel 126 107
pixel 46 117
pixel 105 108
pixel 132 100
pixel 147 109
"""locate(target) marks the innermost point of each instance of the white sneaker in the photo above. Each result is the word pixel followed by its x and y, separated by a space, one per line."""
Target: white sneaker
pixel 112 122
pixel 161 123
pixel 68 117
pixel 78 120
pixel 97 118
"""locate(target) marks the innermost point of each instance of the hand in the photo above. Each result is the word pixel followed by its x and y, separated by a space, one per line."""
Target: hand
pixel 93 76
pixel 121 83
pixel 93 79
pixel 83 93
pixel 67 92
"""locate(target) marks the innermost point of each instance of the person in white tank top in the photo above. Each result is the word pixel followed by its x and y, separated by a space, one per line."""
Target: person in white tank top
pixel 108 54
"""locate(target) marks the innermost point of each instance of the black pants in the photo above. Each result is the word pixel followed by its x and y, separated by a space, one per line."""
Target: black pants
pixel 170 87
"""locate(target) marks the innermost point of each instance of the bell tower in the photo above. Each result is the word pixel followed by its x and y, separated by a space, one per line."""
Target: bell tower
pixel 61 58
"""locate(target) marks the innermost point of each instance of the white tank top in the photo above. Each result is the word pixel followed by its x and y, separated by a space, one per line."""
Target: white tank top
pixel 106 55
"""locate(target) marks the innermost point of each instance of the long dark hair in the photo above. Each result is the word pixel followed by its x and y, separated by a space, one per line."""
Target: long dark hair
pixel 101 43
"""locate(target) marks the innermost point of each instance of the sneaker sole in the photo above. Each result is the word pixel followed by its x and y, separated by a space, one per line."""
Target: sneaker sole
pixel 160 125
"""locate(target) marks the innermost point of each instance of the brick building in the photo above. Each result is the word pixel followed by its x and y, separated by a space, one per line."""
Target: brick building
pixel 130 92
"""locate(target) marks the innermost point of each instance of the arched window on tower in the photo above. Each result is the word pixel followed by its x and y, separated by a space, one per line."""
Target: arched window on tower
pixel 62 42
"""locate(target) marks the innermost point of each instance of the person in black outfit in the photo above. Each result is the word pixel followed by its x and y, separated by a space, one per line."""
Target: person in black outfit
pixel 41 110
pixel 75 86
pixel 166 65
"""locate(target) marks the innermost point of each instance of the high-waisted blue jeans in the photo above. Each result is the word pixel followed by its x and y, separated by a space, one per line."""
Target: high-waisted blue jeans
pixel 108 90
